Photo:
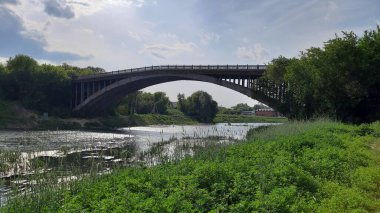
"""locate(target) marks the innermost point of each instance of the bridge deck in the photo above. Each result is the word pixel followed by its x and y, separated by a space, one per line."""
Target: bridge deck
pixel 198 69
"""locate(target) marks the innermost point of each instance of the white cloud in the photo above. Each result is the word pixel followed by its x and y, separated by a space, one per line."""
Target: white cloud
pixel 331 8
pixel 79 35
pixel 208 37
pixel 257 52
pixel 58 8
pixel 43 61
pixel 3 60
pixel 134 36
pixel 139 3
pixel 163 51
pixel 166 46
pixel 88 7
pixel 245 40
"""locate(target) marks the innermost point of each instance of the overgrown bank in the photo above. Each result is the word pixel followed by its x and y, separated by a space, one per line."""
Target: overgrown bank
pixel 312 167
pixel 14 116
pixel 226 118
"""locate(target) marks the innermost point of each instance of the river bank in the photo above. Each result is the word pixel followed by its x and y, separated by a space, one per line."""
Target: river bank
pixel 15 117
pixel 318 166
pixel 40 156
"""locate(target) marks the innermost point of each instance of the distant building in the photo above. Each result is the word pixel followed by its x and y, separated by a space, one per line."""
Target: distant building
pixel 247 113
pixel 267 112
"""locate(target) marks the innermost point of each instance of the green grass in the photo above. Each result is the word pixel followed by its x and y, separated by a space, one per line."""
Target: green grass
pixel 172 117
pixel 175 116
pixel 224 118
pixel 320 166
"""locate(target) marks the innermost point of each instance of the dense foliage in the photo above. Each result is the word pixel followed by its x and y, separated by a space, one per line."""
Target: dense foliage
pixel 199 105
pixel 340 80
pixel 39 87
pixel 228 118
pixel 239 108
pixel 297 167
pixel 144 103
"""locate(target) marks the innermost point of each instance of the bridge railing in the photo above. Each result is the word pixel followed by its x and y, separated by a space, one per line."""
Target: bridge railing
pixel 179 67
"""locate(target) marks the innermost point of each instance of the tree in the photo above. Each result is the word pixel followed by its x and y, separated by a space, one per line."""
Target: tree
pixel 4 82
pixel 129 104
pixel 53 84
pixel 181 102
pixel 224 111
pixel 340 80
pixel 161 102
pixel 276 70
pixel 239 108
pixel 144 103
pixel 199 105
pixel 22 72
pixel 40 87
pixel 95 69
pixel 259 106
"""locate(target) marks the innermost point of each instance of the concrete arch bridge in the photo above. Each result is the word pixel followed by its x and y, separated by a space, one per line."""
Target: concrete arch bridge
pixel 94 94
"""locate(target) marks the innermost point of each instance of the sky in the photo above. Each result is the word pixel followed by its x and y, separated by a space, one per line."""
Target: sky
pixel 121 34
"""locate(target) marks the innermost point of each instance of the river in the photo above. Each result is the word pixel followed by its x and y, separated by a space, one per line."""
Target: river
pixel 69 154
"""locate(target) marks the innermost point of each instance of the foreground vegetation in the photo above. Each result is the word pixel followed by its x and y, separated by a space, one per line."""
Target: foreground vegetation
pixel 318 166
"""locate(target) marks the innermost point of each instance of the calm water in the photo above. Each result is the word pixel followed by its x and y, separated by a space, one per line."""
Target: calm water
pixel 25 153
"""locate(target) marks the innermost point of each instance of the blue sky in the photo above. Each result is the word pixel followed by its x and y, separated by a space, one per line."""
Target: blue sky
pixel 119 34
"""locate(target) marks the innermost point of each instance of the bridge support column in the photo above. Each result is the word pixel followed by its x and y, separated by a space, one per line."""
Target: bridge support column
pixel 93 87
pixel 76 95
pixel 87 90
pixel 81 92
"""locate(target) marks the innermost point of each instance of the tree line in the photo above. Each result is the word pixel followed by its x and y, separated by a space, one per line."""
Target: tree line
pixel 340 80
pixel 239 108
pixel 144 103
pixel 199 105
pixel 40 87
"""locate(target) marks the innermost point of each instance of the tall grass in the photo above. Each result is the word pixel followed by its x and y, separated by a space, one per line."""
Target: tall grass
pixel 226 118
pixel 267 133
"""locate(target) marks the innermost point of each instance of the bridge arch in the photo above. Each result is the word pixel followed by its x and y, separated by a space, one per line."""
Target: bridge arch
pixel 96 94
pixel 110 95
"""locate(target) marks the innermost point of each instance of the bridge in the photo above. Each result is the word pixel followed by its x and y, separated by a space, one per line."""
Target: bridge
pixel 95 94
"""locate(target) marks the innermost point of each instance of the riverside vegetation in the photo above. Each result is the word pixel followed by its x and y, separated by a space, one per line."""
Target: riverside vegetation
pixel 14 116
pixel 340 80
pixel 320 166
